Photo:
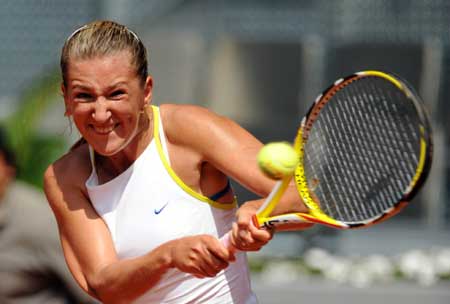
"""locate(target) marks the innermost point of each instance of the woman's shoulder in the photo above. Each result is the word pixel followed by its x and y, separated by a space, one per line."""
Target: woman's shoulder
pixel 176 118
pixel 179 112
pixel 73 167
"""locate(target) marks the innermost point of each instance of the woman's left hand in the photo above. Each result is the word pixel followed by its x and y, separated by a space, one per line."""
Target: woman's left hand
pixel 244 235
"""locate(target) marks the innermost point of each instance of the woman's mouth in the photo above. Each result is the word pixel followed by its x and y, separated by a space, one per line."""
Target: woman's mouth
pixel 104 129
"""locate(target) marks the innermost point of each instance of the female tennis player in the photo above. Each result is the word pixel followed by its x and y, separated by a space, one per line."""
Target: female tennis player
pixel 143 197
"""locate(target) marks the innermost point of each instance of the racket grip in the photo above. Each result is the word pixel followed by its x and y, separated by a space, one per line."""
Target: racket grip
pixel 226 242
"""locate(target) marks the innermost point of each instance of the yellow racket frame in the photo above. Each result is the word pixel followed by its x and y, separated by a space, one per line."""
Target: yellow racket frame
pixel 263 217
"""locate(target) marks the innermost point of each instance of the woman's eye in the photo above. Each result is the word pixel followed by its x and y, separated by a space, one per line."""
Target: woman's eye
pixel 83 96
pixel 117 94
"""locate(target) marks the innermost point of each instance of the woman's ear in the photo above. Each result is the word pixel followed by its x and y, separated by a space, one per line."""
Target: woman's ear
pixel 68 111
pixel 148 90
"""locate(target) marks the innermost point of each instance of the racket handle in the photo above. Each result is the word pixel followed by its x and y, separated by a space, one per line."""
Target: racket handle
pixel 226 242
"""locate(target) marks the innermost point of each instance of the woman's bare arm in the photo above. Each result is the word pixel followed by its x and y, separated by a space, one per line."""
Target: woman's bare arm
pixel 232 150
pixel 90 252
pixel 228 147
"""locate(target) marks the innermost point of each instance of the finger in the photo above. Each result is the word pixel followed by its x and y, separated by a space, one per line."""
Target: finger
pixel 216 256
pixel 208 271
pixel 232 256
pixel 203 265
pixel 197 271
pixel 234 233
pixel 235 240
pixel 213 265
pixel 244 232
pixel 218 249
pixel 242 239
pixel 260 235
pixel 218 262
pixel 244 219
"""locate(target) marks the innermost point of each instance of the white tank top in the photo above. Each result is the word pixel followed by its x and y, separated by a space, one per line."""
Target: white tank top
pixel 148 205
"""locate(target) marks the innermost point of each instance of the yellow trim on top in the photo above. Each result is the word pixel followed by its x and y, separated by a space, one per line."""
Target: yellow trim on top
pixel 385 76
pixel 186 188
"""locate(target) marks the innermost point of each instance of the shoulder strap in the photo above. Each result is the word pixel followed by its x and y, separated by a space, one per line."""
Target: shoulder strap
pixel 160 131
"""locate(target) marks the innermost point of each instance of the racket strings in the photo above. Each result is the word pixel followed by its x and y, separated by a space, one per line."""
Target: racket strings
pixel 381 117
pixel 362 150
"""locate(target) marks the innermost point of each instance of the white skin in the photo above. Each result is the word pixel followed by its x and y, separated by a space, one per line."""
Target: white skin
pixel 106 100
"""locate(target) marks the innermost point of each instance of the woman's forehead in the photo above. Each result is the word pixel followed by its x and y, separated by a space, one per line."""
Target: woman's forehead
pixel 106 66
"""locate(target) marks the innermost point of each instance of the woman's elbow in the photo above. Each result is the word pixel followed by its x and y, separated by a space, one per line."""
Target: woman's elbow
pixel 108 291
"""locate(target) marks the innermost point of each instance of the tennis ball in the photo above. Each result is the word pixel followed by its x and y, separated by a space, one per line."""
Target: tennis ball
pixel 277 159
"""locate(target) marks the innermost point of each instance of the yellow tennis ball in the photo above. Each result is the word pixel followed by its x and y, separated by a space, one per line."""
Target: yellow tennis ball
pixel 278 159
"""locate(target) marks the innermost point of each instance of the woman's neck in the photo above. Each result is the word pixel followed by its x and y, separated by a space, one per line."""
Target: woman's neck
pixel 111 166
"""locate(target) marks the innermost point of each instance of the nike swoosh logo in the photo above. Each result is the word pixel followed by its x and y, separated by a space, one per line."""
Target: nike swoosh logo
pixel 158 211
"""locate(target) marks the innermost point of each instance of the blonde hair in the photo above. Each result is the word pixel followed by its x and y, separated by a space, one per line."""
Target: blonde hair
pixel 101 38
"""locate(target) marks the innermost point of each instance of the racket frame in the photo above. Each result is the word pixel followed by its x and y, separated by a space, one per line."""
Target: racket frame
pixel 315 215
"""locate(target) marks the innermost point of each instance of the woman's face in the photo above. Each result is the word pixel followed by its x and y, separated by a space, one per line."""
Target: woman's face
pixel 105 98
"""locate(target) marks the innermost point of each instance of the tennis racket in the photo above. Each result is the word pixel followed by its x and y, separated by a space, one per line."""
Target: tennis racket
pixel 364 149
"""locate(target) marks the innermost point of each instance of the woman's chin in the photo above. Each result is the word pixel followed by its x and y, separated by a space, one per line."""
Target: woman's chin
pixel 109 150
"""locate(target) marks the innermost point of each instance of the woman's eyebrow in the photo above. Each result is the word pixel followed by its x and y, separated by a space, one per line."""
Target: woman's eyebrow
pixel 108 88
pixel 117 84
pixel 80 86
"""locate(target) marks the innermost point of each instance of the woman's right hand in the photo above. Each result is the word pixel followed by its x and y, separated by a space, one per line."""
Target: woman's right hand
pixel 200 255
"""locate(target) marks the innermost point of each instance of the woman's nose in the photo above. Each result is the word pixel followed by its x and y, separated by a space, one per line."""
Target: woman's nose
pixel 101 111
